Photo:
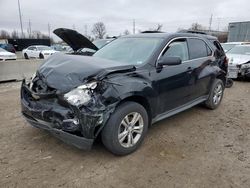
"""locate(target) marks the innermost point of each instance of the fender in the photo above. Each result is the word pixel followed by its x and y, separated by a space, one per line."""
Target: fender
pixel 135 84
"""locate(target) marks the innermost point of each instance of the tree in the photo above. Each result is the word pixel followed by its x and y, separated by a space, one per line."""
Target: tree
pixel 197 27
pixel 99 30
pixel 126 32
pixel 14 34
pixel 158 28
pixel 4 34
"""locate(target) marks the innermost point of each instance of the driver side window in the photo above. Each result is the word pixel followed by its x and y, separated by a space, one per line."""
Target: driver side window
pixel 177 48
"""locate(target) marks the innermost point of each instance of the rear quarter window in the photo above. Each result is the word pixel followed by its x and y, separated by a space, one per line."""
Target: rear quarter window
pixel 218 48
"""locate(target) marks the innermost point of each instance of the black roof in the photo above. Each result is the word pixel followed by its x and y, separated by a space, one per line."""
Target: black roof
pixel 170 35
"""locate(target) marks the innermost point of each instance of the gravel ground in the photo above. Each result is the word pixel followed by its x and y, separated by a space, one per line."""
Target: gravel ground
pixel 196 148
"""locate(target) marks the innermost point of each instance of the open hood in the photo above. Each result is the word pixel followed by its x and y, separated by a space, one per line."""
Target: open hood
pixel 74 39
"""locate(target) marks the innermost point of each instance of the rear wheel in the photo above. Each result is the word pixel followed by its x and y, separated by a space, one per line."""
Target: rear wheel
pixel 26 56
pixel 216 94
pixel 126 129
pixel 229 83
pixel 41 56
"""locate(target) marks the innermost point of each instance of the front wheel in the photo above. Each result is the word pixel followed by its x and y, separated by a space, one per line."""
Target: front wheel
pixel 125 129
pixel 26 56
pixel 216 95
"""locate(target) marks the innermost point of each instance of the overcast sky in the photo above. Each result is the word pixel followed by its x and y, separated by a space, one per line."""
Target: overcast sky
pixel 118 15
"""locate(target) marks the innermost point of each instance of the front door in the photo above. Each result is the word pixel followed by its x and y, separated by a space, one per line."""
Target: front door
pixel 173 83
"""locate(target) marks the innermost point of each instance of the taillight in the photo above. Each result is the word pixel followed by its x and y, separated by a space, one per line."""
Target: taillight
pixel 226 60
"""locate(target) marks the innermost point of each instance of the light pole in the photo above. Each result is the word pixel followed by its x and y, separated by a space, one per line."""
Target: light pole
pixel 20 17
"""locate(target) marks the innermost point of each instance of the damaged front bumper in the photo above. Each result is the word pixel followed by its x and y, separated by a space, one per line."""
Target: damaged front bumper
pixel 238 72
pixel 74 126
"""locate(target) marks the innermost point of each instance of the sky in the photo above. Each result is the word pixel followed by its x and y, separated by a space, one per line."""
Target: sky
pixel 118 15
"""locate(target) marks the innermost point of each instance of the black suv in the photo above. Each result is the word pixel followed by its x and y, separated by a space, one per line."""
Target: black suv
pixel 127 85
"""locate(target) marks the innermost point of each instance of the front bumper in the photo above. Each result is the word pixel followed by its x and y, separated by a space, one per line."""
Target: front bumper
pixel 238 72
pixel 77 141
pixel 50 115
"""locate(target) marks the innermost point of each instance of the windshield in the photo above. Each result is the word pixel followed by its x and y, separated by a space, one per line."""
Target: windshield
pixel 227 47
pixel 242 50
pixel 2 50
pixel 132 51
pixel 44 48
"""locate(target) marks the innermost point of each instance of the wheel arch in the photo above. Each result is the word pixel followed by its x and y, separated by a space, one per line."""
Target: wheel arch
pixel 140 100
pixel 222 77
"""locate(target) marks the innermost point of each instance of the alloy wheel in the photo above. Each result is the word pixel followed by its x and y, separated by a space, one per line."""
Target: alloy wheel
pixel 217 94
pixel 130 129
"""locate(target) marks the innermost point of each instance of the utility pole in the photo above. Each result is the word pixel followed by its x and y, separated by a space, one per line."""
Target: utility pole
pixel 210 22
pixel 133 26
pixel 20 17
pixel 218 24
pixel 86 30
pixel 29 29
pixel 49 29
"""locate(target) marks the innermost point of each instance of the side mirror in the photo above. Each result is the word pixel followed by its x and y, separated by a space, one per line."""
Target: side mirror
pixel 169 61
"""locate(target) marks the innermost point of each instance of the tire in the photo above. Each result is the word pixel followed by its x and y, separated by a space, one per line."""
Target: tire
pixel 216 95
pixel 229 83
pixel 114 127
pixel 26 56
pixel 41 56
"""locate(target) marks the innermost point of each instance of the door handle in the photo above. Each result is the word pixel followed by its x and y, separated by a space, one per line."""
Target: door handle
pixel 189 70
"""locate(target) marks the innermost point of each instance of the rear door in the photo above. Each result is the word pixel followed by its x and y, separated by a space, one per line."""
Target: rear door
pixel 201 58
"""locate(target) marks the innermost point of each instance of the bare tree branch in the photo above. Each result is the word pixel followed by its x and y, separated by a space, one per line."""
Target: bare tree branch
pixel 99 30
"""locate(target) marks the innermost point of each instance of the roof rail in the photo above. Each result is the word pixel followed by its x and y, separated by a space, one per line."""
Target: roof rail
pixel 192 31
pixel 152 32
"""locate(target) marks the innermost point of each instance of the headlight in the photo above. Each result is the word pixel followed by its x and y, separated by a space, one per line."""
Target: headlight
pixel 81 95
pixel 245 66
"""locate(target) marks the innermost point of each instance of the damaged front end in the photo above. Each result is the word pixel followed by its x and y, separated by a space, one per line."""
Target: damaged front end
pixel 76 117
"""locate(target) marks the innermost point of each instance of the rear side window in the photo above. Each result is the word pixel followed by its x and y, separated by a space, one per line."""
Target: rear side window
pixel 198 49
pixel 177 48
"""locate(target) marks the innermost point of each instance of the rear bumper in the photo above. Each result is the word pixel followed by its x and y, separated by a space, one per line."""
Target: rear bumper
pixel 77 141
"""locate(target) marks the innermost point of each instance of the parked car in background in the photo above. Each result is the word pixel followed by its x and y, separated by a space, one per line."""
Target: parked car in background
pixel 8 47
pixel 57 47
pixel 239 61
pixel 5 55
pixel 99 43
pixel 124 87
pixel 39 51
pixel 229 45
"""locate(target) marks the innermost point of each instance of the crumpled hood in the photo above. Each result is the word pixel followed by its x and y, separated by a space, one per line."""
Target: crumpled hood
pixel 65 72
pixel 235 59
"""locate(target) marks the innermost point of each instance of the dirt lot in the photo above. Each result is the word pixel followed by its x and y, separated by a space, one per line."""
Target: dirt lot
pixel 197 148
